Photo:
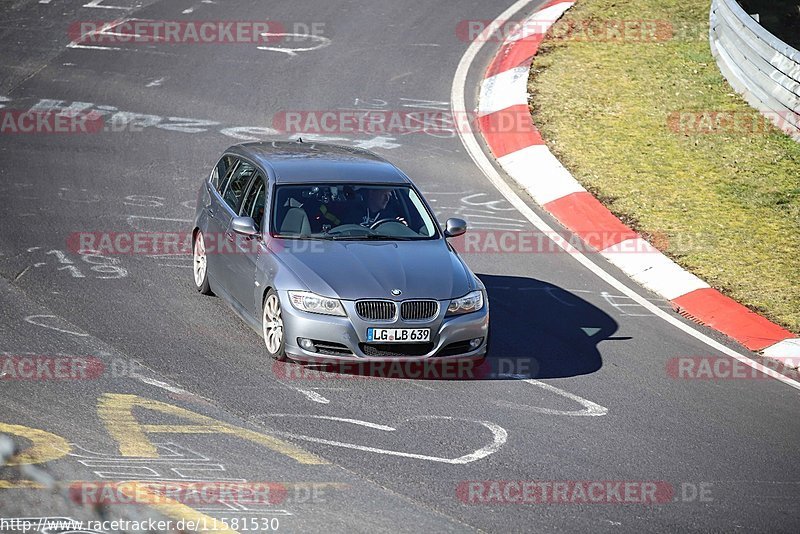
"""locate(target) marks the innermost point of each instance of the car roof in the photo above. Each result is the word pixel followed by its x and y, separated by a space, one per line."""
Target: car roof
pixel 311 162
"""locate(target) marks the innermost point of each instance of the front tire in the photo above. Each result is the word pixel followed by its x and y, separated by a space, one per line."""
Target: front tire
pixel 200 264
pixel 272 326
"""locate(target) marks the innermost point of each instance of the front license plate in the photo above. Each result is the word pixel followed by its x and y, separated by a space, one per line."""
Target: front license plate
pixel 399 335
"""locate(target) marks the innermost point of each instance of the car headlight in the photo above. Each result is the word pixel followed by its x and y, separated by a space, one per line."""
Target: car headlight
pixel 472 302
pixel 313 303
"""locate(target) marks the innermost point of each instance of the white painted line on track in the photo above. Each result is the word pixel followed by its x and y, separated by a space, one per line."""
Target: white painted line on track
pixel 591 409
pixel 321 42
pixel 482 161
pixel 36 319
pixel 313 396
pixel 499 438
pixel 194 7
pixel 90 47
pixel 174 266
pixel 105 27
pixel 157 218
pixel 22 273
pixel 341 419
pixel 97 4
pixel 160 384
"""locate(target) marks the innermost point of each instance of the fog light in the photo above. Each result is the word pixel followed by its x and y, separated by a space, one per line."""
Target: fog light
pixel 475 343
pixel 306 344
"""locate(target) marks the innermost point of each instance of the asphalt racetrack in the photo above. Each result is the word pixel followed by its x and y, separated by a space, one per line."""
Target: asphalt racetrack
pixel 583 385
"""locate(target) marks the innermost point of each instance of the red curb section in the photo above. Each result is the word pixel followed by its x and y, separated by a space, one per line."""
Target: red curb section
pixel 504 140
pixel 512 55
pixel 729 317
pixel 589 219
pixel 597 226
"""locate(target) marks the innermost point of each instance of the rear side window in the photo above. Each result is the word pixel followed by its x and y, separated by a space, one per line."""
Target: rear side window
pixel 253 205
pixel 221 171
pixel 237 184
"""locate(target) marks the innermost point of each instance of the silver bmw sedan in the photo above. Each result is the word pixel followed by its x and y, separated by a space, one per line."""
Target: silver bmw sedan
pixel 331 253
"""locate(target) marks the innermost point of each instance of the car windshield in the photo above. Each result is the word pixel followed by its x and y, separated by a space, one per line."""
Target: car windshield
pixel 351 212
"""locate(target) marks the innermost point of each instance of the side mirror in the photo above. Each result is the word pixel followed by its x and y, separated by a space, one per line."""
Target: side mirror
pixel 244 225
pixel 455 227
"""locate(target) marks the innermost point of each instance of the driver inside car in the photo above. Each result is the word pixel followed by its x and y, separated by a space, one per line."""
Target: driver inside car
pixel 376 202
pixel 377 206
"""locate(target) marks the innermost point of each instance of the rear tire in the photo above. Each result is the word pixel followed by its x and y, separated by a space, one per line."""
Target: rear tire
pixel 200 264
pixel 272 326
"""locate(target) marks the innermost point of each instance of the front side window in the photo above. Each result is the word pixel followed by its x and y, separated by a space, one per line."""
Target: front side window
pixel 351 212
pixel 235 188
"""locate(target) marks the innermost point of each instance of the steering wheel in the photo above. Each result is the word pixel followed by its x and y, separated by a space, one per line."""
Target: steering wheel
pixel 384 221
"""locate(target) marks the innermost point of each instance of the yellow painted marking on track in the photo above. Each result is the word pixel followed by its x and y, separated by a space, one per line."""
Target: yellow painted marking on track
pixel 20 484
pixel 46 446
pixel 142 492
pixel 116 412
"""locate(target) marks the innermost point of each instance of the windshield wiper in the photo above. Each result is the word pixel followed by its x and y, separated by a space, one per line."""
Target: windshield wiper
pixel 369 237
pixel 303 237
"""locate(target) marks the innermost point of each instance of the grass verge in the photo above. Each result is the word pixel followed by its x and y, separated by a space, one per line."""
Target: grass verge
pixel 635 116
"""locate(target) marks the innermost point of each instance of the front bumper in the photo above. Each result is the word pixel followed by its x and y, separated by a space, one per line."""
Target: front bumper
pixel 344 339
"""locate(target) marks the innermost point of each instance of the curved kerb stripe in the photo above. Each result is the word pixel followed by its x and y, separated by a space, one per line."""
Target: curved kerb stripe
pixel 504 121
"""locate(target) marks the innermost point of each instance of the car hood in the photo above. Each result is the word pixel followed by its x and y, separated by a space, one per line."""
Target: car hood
pixel 352 270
